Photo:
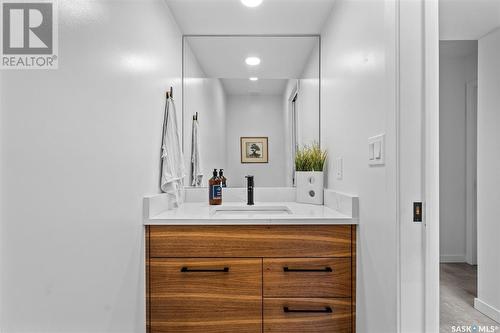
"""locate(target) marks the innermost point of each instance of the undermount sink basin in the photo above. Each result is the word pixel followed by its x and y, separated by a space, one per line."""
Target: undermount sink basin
pixel 251 210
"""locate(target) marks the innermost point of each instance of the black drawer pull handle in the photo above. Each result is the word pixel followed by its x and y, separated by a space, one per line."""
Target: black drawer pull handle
pixel 327 309
pixel 191 270
pixel 326 269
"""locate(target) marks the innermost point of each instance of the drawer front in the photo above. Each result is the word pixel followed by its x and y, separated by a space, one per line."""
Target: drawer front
pixel 250 241
pixel 205 295
pixel 311 315
pixel 307 277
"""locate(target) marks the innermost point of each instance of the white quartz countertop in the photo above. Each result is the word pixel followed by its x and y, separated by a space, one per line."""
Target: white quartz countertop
pixel 235 213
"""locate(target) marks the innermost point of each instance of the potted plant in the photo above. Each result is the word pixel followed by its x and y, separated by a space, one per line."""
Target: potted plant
pixel 309 177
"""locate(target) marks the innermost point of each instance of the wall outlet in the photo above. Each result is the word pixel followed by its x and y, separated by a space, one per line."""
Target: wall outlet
pixel 339 168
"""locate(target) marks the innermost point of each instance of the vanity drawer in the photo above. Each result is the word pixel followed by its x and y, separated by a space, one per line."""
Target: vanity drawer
pixel 250 241
pixel 205 295
pixel 307 315
pixel 307 277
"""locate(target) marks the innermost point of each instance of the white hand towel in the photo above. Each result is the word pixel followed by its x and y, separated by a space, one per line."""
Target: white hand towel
pixel 197 175
pixel 172 170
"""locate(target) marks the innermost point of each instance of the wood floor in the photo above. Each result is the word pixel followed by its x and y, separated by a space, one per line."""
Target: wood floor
pixel 458 289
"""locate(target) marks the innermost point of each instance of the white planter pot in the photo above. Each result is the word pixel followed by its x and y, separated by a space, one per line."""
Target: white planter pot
pixel 309 187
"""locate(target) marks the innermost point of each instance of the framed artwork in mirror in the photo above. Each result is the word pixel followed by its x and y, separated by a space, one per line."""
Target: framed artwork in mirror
pixel 254 149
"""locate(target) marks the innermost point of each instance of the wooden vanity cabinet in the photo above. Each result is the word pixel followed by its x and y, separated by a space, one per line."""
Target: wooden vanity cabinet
pixel 251 279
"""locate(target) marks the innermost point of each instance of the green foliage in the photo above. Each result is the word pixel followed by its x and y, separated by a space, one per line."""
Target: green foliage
pixel 310 158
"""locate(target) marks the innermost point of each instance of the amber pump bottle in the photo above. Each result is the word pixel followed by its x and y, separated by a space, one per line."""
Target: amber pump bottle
pixel 215 190
pixel 223 180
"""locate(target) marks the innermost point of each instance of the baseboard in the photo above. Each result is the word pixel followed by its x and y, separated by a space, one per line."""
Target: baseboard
pixel 451 258
pixel 487 309
pixel 468 259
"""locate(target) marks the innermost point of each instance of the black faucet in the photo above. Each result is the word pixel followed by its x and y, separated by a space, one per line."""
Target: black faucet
pixel 249 190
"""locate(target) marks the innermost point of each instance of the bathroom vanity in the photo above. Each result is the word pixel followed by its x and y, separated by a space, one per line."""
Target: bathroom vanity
pixel 278 266
pixel 273 267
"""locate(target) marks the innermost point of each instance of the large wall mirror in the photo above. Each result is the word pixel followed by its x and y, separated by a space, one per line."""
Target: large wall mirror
pixel 256 99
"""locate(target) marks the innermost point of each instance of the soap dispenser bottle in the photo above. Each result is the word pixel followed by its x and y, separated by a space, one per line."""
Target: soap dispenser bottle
pixel 214 190
pixel 223 179
pixel 250 186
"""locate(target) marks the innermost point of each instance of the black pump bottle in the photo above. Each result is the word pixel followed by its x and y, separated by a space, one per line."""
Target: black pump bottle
pixel 250 185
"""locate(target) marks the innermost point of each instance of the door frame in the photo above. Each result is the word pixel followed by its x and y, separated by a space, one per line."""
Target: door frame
pixel 417 90
pixel 431 164
pixel 471 172
pixel 292 110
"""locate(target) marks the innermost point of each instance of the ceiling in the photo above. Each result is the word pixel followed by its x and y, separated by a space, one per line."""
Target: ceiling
pixel 467 19
pixel 224 57
pixel 260 87
pixel 232 17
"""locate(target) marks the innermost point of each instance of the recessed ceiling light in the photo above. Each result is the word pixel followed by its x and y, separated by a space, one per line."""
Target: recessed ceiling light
pixel 254 79
pixel 251 3
pixel 252 61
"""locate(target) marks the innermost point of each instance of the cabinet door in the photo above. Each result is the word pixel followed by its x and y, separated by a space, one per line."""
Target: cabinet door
pixel 205 295
pixel 307 315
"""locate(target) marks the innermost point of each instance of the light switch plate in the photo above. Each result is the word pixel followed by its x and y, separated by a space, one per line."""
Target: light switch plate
pixel 376 150
pixel 339 168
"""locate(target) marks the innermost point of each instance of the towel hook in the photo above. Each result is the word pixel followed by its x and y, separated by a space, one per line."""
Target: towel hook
pixel 170 94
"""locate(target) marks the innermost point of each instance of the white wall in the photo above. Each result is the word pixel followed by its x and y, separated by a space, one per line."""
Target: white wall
pixel 207 97
pixel 308 109
pixel 456 69
pixel 256 116
pixel 1 200
pixel 79 148
pixel 488 180
pixel 356 76
pixel 308 101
